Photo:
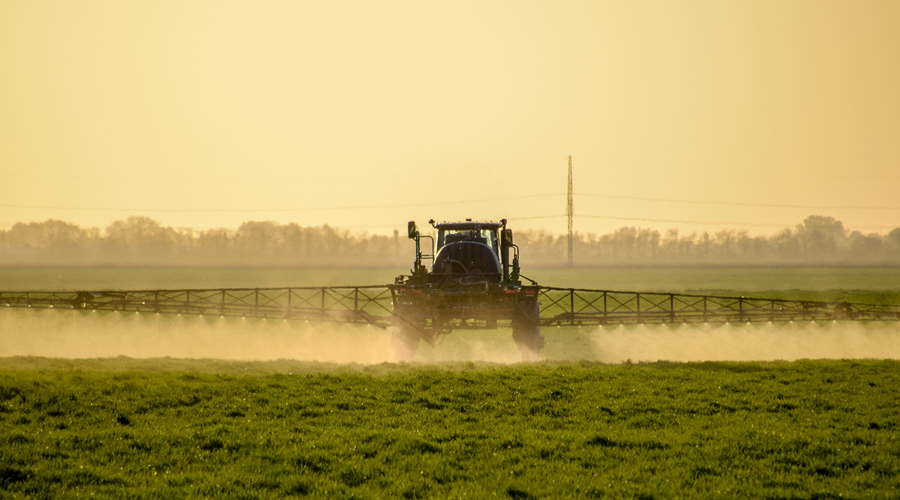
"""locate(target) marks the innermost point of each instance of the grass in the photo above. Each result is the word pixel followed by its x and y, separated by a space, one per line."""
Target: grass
pixel 180 428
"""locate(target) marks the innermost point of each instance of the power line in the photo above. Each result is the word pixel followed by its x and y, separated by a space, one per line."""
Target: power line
pixel 258 210
pixel 540 217
pixel 738 172
pixel 721 223
pixel 455 202
pixel 736 204
pixel 676 221
pixel 266 179
pixel 211 179
pixel 632 219
pixel 645 219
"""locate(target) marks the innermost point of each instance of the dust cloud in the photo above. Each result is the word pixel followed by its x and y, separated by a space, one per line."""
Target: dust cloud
pixel 85 334
pixel 492 346
pixel 747 342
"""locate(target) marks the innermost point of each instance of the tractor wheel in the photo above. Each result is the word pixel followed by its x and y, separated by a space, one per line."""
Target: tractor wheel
pixel 844 311
pixel 406 335
pixel 527 332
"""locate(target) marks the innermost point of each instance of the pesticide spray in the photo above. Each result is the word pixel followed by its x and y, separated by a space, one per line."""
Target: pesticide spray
pixel 90 334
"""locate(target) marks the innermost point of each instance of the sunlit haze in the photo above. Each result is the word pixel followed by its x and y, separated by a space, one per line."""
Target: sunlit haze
pixel 697 115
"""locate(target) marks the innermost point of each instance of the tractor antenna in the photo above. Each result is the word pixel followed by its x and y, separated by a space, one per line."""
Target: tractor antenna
pixel 570 212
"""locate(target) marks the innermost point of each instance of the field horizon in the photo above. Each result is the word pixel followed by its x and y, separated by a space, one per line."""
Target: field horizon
pixel 808 277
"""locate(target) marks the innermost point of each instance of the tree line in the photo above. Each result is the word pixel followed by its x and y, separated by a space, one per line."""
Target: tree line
pixel 139 240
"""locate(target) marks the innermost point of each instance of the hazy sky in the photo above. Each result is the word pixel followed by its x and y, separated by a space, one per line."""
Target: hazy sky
pixel 690 114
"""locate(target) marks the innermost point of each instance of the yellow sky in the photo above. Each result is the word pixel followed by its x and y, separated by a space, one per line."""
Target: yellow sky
pixel 691 114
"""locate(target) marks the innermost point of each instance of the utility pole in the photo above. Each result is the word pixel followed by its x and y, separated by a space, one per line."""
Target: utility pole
pixel 570 212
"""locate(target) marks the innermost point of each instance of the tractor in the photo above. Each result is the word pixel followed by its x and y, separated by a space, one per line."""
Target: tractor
pixel 472 284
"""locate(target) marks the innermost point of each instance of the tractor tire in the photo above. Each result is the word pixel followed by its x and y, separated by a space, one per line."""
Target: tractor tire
pixel 527 331
pixel 406 335
pixel 844 311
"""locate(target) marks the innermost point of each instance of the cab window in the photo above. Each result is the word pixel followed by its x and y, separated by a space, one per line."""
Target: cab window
pixel 486 236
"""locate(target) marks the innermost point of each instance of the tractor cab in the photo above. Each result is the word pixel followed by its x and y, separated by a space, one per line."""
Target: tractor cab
pixel 486 233
pixel 470 249
pixel 465 253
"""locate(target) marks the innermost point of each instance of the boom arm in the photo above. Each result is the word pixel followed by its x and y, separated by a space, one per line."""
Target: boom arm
pixel 375 305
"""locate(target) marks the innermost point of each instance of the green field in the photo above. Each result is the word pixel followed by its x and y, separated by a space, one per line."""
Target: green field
pixel 167 428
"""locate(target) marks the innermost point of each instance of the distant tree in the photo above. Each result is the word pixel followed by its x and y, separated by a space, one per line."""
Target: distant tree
pixel 725 244
pixel 670 245
pixel 541 245
pixel 264 237
pixel 783 246
pixel 819 237
pixel 630 244
pixel 892 245
pixel 327 241
pixel 865 247
pixel 51 241
pixel 50 234
pixel 704 246
pixel 295 239
pixel 140 239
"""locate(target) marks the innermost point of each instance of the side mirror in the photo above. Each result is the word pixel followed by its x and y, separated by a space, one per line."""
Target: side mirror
pixel 411 230
pixel 506 238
